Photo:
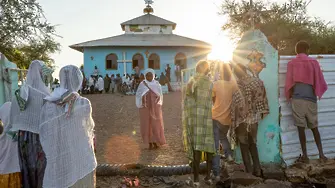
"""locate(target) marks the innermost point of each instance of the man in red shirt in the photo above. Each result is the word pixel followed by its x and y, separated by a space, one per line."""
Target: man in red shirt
pixel 304 85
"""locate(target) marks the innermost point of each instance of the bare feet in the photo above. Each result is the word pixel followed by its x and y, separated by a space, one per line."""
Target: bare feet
pixel 323 158
pixel 302 159
pixel 257 173
pixel 156 146
pixel 150 146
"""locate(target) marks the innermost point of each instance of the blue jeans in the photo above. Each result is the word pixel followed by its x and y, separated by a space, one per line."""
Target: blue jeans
pixel 220 136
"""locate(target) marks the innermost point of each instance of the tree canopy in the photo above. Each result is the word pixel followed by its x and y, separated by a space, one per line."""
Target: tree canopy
pixel 25 33
pixel 283 24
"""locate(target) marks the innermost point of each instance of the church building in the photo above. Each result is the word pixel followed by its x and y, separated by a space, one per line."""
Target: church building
pixel 148 42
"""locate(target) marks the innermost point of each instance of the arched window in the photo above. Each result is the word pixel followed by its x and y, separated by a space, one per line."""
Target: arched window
pixel 181 60
pixel 138 60
pixel 111 62
pixel 154 62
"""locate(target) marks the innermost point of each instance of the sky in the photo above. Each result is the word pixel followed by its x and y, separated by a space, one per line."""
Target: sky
pixel 84 20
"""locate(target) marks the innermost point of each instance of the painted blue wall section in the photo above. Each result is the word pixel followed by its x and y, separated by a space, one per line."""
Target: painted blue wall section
pixel 167 56
pixel 268 131
pixel 4 63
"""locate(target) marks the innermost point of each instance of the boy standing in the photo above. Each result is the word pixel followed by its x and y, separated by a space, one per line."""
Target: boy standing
pixel 304 85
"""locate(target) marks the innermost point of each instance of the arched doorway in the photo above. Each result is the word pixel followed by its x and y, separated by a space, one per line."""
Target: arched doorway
pixel 138 60
pixel 111 62
pixel 154 62
pixel 181 60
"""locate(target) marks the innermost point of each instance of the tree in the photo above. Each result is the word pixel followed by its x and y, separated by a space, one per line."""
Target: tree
pixel 283 24
pixel 25 34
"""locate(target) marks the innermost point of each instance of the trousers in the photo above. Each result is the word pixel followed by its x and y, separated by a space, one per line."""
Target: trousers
pixel 220 136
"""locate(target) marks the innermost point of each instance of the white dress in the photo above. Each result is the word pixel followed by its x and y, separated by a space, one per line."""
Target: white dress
pixel 100 84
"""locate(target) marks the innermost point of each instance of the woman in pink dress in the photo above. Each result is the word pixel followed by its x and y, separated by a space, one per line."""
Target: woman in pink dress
pixel 149 100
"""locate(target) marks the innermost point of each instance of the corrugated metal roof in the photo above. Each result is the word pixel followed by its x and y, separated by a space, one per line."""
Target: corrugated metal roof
pixel 134 40
pixel 326 113
pixel 148 19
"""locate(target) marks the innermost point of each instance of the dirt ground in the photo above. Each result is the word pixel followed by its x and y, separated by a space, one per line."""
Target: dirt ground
pixel 118 136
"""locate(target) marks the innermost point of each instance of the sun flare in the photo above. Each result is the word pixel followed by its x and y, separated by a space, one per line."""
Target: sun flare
pixel 222 49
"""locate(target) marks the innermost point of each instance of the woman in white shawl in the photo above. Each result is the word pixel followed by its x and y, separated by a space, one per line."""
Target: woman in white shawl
pixel 10 175
pixel 66 133
pixel 100 84
pixel 24 117
pixel 149 100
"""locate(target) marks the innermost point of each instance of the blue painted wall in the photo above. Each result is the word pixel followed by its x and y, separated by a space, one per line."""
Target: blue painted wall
pixel 167 56
pixel 268 139
pixel 13 76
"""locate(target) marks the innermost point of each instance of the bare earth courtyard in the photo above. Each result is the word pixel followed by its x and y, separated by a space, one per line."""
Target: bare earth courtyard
pixel 119 140
pixel 118 135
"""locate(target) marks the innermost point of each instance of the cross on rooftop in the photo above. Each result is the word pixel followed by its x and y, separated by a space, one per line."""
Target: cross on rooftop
pixel 149 2
pixel 148 9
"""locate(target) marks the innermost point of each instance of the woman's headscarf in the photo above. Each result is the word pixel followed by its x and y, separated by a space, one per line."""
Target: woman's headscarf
pixel 27 104
pixel 36 73
pixel 143 89
pixel 71 79
pixel 9 159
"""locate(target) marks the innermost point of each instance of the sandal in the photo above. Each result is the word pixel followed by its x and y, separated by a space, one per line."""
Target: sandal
pixel 130 183
pixel 126 182
pixel 136 182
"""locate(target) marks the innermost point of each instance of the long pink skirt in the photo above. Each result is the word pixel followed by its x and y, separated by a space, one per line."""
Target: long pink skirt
pixel 152 126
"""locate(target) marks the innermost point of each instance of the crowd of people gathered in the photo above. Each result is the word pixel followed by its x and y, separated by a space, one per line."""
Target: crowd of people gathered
pixel 126 84
pixel 47 139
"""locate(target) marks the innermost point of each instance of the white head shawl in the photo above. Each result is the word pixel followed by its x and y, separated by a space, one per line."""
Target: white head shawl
pixel 67 140
pixel 33 92
pixel 9 159
pixel 70 78
pixel 143 89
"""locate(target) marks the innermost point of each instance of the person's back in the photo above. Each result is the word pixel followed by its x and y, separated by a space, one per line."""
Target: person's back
pixel 304 84
pixel 10 172
pixel 66 134
pixel 223 98
pixel 197 120
pixel 254 92
pixel 223 91
pixel 70 157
